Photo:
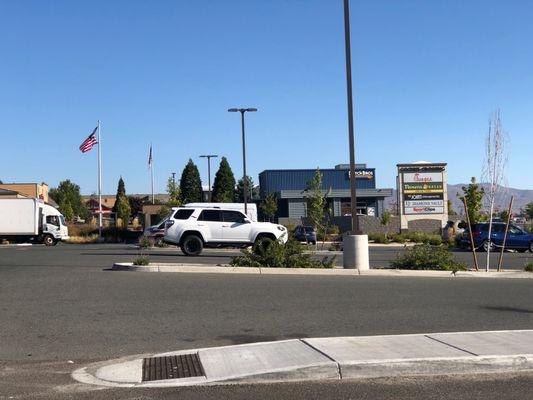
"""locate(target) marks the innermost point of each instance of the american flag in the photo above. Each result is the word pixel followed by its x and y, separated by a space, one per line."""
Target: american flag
pixel 150 158
pixel 89 143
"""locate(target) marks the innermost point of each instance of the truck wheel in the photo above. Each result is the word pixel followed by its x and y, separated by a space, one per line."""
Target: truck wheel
pixel 49 240
pixel 192 245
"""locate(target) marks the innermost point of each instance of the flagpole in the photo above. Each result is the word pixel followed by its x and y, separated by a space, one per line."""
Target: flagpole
pixel 152 171
pixel 99 183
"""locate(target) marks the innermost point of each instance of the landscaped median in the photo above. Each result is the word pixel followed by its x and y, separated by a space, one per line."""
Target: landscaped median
pixel 227 269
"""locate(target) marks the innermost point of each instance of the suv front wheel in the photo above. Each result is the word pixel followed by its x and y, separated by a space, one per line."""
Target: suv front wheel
pixel 262 243
pixel 192 245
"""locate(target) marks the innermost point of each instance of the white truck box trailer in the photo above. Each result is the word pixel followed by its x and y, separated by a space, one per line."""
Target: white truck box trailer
pixel 31 220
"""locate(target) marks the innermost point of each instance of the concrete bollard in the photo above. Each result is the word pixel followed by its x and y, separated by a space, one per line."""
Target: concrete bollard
pixel 355 252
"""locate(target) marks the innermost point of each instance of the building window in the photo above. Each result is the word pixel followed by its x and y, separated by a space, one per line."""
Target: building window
pixel 346 207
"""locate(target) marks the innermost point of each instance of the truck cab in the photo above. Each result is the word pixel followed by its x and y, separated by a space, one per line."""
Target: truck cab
pixel 54 226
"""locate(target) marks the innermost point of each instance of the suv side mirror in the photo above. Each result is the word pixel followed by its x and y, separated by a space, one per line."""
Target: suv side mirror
pixel 246 221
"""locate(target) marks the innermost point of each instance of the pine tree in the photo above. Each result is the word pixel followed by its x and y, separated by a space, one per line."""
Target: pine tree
pixel 190 184
pixel 123 210
pixel 224 185
pixel 121 192
pixel 252 192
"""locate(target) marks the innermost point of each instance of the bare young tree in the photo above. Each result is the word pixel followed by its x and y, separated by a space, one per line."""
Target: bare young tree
pixel 493 171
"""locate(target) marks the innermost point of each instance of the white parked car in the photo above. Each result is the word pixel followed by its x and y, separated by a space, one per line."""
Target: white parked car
pixel 193 228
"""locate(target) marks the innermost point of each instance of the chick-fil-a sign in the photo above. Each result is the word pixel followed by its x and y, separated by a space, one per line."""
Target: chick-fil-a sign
pixel 422 177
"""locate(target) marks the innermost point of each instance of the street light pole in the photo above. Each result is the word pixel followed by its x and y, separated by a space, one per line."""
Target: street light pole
pixel 353 192
pixel 245 177
pixel 355 244
pixel 209 157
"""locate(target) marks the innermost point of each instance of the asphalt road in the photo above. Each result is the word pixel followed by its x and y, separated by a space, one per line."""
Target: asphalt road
pixel 104 256
pixel 60 304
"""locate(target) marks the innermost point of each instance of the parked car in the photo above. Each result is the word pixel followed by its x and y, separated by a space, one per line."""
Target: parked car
pixel 305 234
pixel 193 228
pixel 516 238
pixel 156 232
pixel 519 220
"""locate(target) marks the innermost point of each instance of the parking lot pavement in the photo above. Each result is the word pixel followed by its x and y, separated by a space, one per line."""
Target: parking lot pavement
pixel 61 309
pixel 104 255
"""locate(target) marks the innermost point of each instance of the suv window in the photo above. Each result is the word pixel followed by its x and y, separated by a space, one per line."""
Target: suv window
pixel 233 216
pixel 210 215
pixel 183 214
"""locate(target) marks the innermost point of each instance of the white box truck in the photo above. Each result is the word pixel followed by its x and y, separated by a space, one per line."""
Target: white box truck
pixel 23 220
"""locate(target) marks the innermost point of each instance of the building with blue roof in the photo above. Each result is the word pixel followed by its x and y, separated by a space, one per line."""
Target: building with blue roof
pixel 289 186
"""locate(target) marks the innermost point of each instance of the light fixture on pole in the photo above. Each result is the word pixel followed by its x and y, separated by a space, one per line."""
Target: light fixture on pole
pixel 245 177
pixel 209 157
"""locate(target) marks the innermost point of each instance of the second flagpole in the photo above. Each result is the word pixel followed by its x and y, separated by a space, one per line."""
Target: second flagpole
pixel 152 171
pixel 99 183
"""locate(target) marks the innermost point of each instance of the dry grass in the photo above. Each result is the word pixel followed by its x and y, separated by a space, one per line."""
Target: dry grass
pixel 82 239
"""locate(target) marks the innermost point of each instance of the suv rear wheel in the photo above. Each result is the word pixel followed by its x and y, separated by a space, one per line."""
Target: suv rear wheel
pixel 192 245
pixel 531 247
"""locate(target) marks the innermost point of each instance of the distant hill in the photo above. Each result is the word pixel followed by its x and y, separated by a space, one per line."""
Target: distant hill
pixel 521 197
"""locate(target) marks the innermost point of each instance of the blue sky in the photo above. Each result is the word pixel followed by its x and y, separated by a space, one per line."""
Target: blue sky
pixel 427 75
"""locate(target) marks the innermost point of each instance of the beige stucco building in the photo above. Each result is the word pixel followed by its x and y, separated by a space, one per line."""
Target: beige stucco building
pixel 20 190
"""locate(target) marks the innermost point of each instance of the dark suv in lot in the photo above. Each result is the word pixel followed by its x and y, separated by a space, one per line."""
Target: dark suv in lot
pixel 516 238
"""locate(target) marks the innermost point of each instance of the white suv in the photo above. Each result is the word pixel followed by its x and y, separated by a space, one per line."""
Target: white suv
pixel 193 228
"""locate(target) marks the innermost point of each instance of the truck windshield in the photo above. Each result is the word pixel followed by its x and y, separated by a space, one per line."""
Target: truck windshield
pixel 62 219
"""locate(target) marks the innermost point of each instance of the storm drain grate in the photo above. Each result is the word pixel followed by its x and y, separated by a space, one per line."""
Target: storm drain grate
pixel 172 367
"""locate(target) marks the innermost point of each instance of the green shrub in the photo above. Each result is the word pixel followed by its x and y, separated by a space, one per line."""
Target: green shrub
pixel 434 240
pixel 145 242
pixel 278 255
pixel 398 238
pixel 528 267
pixel 141 260
pixel 426 257
pixel 381 238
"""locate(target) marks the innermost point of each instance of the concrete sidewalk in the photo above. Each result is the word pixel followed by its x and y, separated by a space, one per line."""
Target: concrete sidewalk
pixel 335 358
pixel 226 269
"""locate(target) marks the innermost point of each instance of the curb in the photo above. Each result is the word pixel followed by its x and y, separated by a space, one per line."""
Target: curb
pixel 225 269
pixel 335 358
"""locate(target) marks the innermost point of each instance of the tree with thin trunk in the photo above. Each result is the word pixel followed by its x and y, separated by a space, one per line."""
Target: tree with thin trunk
pixel 269 206
pixel 224 184
pixel 494 167
pixel 316 204
pixel 173 190
pixel 473 194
